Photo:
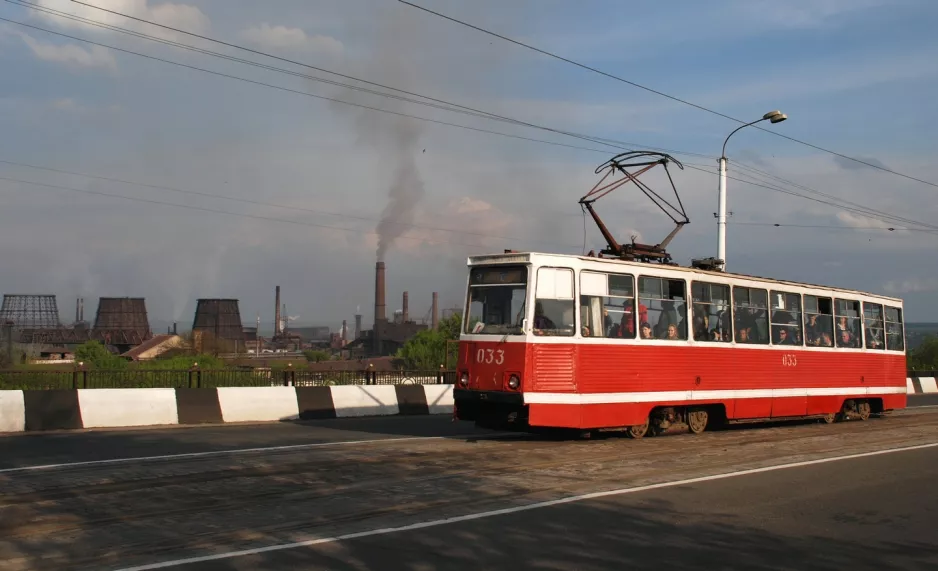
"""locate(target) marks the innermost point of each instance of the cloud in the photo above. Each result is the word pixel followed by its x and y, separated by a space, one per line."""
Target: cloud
pixel 71 55
pixel 467 205
pixel 291 39
pixel 802 13
pixel 857 221
pixel 184 16
pixel 912 285
pixel 849 165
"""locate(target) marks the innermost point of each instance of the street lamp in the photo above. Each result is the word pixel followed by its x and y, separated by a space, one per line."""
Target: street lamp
pixel 772 116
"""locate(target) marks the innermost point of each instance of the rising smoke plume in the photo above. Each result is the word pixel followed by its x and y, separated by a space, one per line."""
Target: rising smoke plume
pixel 395 49
pixel 406 188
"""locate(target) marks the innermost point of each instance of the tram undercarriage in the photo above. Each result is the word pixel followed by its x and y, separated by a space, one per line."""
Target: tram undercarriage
pixel 506 411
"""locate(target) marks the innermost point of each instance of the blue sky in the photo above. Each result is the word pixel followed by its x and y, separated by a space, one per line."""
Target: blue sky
pixel 857 76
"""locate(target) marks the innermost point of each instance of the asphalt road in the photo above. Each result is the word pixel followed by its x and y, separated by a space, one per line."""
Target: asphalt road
pixel 209 496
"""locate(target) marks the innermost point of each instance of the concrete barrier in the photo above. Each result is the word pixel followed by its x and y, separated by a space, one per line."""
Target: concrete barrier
pixel 365 400
pixel 922 385
pixel 439 398
pixel 115 408
pixel 256 404
pixel 108 408
pixel 70 409
pixel 12 411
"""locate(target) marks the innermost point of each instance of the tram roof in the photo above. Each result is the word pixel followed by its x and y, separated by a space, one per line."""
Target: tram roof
pixel 528 257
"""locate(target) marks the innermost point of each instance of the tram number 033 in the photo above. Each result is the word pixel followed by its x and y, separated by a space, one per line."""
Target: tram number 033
pixel 789 360
pixel 489 356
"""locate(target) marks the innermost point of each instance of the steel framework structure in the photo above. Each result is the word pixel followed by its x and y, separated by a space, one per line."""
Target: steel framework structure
pixel 30 311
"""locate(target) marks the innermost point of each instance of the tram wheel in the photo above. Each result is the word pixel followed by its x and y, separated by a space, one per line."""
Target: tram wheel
pixel 830 418
pixel 638 430
pixel 863 410
pixel 697 420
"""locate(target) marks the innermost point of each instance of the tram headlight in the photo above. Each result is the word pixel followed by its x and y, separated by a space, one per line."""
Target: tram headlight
pixel 464 379
pixel 514 382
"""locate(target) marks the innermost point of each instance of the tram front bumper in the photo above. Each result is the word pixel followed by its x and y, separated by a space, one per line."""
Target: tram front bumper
pixel 496 409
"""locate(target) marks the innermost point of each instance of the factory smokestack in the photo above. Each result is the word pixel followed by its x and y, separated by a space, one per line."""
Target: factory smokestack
pixel 344 332
pixel 435 315
pixel 405 310
pixel 81 309
pixel 358 325
pixel 277 314
pixel 380 314
pixel 77 310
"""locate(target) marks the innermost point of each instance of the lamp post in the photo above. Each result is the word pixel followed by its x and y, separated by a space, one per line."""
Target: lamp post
pixel 772 116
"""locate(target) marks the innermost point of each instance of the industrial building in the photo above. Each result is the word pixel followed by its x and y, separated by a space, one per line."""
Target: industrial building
pixel 388 336
pixel 216 327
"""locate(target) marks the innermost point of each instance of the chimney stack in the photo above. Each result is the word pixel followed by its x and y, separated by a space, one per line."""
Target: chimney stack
pixel 81 307
pixel 344 332
pixel 174 328
pixel 435 315
pixel 78 310
pixel 380 314
pixel 277 314
pixel 358 325
pixel 405 310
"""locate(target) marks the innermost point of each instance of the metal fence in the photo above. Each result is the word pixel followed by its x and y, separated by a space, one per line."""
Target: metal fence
pixel 197 378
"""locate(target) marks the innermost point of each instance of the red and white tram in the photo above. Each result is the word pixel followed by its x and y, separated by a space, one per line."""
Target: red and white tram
pixel 594 343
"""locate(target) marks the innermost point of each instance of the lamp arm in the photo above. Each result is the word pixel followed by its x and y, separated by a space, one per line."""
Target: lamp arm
pixel 734 131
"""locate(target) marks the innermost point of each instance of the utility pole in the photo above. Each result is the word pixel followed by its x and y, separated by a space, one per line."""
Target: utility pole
pixel 774 117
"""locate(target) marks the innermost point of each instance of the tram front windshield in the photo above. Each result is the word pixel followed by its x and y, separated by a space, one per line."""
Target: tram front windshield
pixel 496 300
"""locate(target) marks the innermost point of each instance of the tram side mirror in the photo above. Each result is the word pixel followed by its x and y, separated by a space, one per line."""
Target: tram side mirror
pixel 524 325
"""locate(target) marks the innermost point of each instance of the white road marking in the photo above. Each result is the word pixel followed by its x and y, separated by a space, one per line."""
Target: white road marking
pixel 507 511
pixel 243 451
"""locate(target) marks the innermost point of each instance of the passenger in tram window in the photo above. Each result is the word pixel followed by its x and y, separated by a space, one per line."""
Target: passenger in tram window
pixel 723 325
pixel 673 334
pixel 608 326
pixel 541 321
pixel 826 340
pixel 666 317
pixel 842 324
pixel 701 323
pixel 847 340
pixel 627 324
pixel 782 337
pixel 742 334
pixel 646 331
pixel 811 330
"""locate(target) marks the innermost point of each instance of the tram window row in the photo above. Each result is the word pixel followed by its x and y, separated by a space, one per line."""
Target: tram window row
pixel 611 307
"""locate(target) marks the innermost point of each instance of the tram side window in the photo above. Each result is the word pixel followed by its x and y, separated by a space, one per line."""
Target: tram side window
pixel 895 339
pixel 786 318
pixel 819 321
pixel 712 317
pixel 607 305
pixel 873 326
pixel 666 305
pixel 750 308
pixel 847 312
pixel 554 304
